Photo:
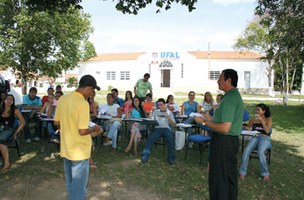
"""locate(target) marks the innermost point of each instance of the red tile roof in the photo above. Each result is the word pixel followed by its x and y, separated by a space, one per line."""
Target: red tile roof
pixel 226 54
pixel 197 54
pixel 116 56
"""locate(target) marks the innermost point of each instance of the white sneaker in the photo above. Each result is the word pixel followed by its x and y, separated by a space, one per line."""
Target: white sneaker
pixel 107 143
pixel 27 141
pixel 36 139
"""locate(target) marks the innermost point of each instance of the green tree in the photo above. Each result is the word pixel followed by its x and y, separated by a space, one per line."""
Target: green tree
pixel 88 51
pixel 72 82
pixel 285 17
pixel 256 37
pixel 124 6
pixel 40 43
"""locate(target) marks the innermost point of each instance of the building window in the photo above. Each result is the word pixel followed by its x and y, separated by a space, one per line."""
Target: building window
pixel 111 75
pixel 214 75
pixel 182 71
pixel 124 75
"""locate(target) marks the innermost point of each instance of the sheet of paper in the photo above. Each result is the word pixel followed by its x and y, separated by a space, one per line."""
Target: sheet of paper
pixel 91 124
pixel 197 115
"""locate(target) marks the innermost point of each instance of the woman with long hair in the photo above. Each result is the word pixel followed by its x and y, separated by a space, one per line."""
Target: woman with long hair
pixel 8 130
pixel 262 122
pixel 127 107
pixel 136 112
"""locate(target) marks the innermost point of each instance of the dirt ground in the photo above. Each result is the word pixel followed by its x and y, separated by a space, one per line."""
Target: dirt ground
pixel 54 189
pixel 47 184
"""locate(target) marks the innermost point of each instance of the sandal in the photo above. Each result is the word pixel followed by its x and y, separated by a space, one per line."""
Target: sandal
pixel 93 166
pixel 127 149
pixel 6 169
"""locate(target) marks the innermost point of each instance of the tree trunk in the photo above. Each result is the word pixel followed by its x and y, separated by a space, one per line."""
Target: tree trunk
pixel 24 85
pixel 292 78
pixel 285 100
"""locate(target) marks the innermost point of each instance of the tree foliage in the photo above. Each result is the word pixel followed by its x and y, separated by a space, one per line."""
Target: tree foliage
pixel 124 6
pixel 286 21
pixel 279 35
pixel 256 37
pixel 41 43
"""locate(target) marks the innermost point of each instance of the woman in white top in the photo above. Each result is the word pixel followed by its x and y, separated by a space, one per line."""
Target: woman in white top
pixel 208 103
pixel 171 105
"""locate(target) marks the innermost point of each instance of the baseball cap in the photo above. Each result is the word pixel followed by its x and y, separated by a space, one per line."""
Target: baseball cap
pixel 88 81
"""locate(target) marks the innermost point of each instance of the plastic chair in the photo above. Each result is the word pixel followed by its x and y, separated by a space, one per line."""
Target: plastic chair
pixel 254 154
pixel 202 141
pixel 14 144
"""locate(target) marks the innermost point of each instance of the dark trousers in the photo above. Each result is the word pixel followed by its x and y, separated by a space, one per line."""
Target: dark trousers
pixel 34 119
pixel 223 175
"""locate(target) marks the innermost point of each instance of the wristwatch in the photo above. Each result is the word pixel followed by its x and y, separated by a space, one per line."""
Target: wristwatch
pixel 203 123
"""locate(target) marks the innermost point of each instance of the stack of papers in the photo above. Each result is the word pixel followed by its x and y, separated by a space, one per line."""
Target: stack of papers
pixel 253 133
pixel 182 125
pixel 197 115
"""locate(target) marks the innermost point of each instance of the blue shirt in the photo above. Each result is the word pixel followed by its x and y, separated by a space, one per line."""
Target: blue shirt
pixel 135 113
pixel 119 101
pixel 189 108
pixel 35 102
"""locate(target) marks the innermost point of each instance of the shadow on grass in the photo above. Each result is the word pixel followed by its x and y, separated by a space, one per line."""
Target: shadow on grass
pixel 36 176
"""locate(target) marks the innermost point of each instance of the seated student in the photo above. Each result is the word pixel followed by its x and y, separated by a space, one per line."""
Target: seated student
pixel 58 88
pixel 136 112
pixel 148 105
pixel 218 101
pixel 94 106
pixel 208 103
pixel 166 122
pixel 52 129
pixel 48 104
pixel 118 100
pixel 263 124
pixel 127 107
pixel 171 105
pixel 31 103
pixel 188 107
pixel 8 115
pixel 3 96
pixel 113 125
pixel 50 90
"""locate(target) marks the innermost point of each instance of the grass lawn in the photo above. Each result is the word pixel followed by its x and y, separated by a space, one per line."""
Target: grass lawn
pixel 186 180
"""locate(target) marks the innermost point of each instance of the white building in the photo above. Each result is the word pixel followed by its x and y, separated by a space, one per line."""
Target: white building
pixel 177 70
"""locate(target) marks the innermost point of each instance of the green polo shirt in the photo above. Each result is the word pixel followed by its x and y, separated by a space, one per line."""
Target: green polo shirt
pixel 231 109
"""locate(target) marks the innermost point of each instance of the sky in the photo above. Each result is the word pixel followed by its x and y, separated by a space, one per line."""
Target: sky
pixel 214 22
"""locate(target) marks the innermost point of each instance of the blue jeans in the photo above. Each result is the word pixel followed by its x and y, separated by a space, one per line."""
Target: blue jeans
pixel 112 132
pixel 76 178
pixel 262 142
pixel 153 137
pixel 6 133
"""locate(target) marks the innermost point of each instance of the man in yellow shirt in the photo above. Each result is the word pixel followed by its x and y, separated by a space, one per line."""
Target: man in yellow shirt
pixel 73 117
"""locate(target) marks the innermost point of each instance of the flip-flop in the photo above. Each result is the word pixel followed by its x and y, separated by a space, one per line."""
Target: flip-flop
pixel 93 166
pixel 127 150
pixel 5 170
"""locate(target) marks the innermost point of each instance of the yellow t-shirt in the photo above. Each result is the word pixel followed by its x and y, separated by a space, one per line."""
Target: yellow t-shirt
pixel 73 113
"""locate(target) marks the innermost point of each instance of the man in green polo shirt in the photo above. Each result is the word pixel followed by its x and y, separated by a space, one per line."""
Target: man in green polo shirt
pixel 227 126
pixel 142 86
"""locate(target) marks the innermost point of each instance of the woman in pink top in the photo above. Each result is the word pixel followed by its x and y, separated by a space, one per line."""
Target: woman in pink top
pixel 127 107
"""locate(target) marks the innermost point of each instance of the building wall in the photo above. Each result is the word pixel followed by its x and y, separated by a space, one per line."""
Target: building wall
pixel 187 72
